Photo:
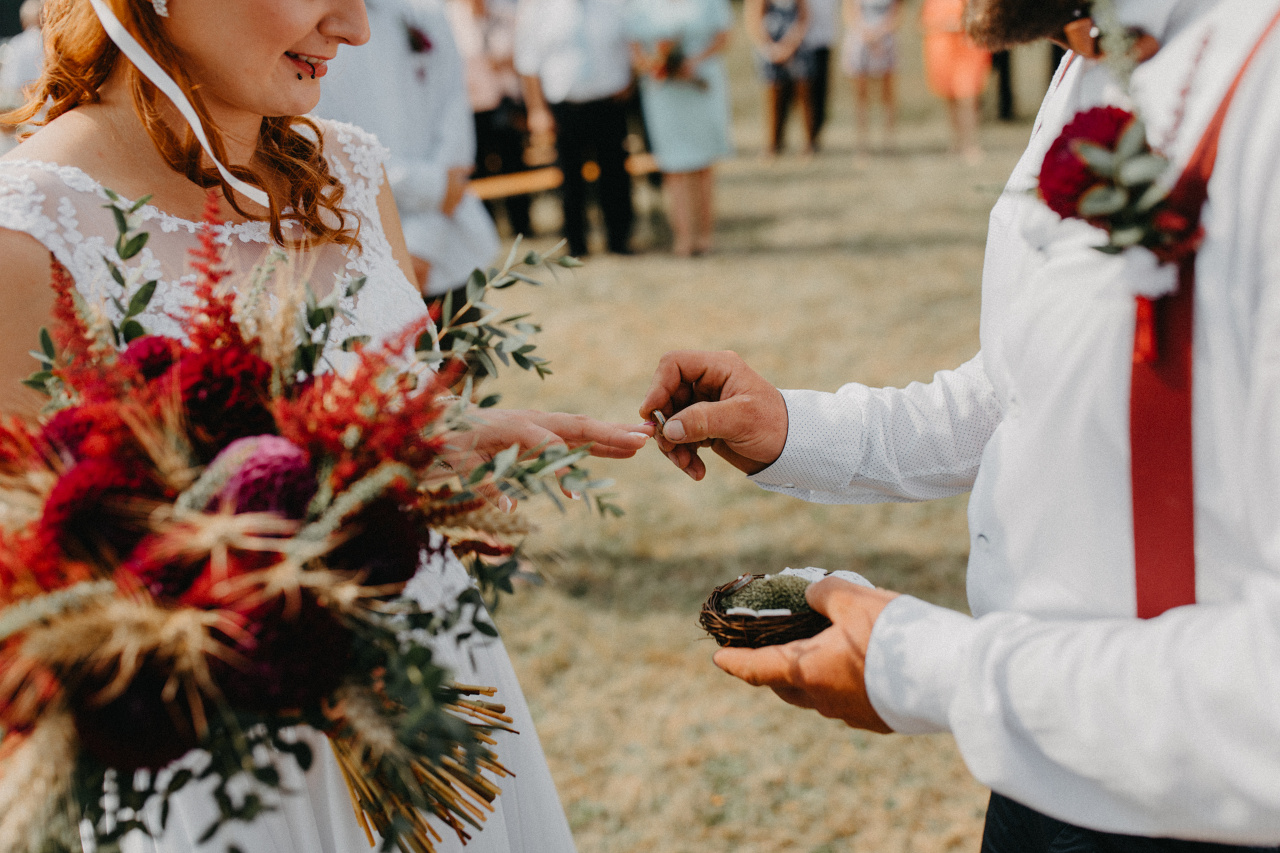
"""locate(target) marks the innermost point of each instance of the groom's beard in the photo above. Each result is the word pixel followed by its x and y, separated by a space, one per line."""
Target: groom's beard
pixel 998 24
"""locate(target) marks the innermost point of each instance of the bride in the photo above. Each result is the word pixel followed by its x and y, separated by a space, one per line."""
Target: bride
pixel 236 75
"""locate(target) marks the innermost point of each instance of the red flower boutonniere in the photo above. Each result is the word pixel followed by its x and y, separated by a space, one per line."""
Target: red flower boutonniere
pixel 1103 170
pixel 419 41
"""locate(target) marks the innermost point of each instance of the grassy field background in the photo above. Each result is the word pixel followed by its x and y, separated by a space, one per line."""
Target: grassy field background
pixel 836 268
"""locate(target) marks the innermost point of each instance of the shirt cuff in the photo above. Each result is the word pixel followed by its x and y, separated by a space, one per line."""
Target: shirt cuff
pixel 913 664
pixel 824 442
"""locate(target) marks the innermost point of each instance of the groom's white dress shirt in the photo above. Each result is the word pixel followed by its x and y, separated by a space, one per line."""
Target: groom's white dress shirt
pixel 1167 727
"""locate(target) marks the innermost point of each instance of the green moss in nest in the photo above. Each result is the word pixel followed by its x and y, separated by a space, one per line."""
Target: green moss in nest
pixel 774 592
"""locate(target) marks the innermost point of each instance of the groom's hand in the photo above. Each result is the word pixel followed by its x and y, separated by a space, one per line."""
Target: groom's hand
pixel 826 672
pixel 713 399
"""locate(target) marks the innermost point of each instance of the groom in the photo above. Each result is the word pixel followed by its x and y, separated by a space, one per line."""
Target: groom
pixel 1096 730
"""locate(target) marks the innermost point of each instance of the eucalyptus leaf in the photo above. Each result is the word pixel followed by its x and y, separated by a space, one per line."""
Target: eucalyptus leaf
pixel 141 299
pixel 476 284
pixel 1103 201
pixel 1127 238
pixel 1133 141
pixel 1153 195
pixel 131 330
pixel 1099 160
pixel 134 245
pixel 1141 170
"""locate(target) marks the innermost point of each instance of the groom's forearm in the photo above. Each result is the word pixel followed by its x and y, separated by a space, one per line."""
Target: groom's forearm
pixel 865 445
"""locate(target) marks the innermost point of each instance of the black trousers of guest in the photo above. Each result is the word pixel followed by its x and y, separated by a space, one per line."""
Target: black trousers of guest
pixel 500 144
pixel 1013 828
pixel 818 88
pixel 596 131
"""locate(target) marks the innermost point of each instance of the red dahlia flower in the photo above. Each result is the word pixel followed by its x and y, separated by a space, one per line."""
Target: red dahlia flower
pixel 224 392
pixel 98 504
pixel 1065 177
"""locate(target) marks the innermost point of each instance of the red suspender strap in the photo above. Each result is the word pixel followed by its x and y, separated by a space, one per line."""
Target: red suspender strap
pixel 1160 400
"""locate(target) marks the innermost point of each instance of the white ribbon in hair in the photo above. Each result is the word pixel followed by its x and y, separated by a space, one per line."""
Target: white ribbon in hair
pixel 151 69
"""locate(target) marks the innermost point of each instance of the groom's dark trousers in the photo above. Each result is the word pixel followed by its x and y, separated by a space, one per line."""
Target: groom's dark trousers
pixel 1013 828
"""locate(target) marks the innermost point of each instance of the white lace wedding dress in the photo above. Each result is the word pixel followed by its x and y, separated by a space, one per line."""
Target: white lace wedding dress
pixel 64 208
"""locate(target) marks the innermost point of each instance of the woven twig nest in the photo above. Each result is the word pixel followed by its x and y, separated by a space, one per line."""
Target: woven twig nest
pixel 752 632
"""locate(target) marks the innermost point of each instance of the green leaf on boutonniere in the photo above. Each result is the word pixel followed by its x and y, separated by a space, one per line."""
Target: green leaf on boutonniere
pixel 1133 141
pixel 1125 238
pixel 1103 201
pixel 1099 160
pixel 1143 169
pixel 1153 196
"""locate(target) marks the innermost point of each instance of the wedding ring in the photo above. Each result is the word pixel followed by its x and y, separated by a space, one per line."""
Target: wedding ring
pixel 660 418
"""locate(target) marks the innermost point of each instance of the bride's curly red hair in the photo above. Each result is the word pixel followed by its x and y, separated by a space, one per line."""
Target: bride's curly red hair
pixel 289 163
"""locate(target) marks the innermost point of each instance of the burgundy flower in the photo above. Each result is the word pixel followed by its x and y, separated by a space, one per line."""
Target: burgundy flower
pixel 288 650
pixel 225 393
pixel 1064 176
pixel 87 430
pixel 151 355
pixel 137 728
pixel 93 510
pixel 270 474
pixel 386 546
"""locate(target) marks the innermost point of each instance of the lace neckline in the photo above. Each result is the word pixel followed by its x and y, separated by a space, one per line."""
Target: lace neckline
pixel 79 180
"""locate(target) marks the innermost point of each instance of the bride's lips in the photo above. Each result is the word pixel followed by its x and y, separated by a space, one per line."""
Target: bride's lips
pixel 308 65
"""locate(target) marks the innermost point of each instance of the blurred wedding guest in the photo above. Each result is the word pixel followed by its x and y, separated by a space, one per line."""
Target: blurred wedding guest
pixel 870 55
pixel 956 69
pixel 485 33
pixel 23 56
pixel 575 66
pixel 777 29
pixel 407 88
pixel 677 46
pixel 824 24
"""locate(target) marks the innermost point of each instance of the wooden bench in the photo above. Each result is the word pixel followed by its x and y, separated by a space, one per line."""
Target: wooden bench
pixel 547 178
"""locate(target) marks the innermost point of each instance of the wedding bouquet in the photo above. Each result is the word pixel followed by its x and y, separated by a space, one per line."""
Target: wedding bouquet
pixel 204 542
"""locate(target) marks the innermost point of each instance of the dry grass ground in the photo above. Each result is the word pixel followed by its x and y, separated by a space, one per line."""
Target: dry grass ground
pixel 827 270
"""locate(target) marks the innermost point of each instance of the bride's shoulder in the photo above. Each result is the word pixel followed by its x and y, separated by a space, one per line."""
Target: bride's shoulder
pixel 358 161
pixel 350 143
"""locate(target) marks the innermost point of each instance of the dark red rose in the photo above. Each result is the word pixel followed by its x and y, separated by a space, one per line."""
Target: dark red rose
pixel 225 393
pixel 288 651
pixel 386 547
pixel 1064 176
pixel 136 729
pixel 151 355
pixel 97 510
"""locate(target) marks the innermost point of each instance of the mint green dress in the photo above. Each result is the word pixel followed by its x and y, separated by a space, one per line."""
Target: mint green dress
pixel 687 121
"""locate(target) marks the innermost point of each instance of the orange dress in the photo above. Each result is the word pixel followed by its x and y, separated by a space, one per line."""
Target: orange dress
pixel 955 67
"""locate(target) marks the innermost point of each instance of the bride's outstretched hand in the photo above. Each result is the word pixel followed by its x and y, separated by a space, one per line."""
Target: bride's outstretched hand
pixel 714 399
pixel 825 672
pixel 494 430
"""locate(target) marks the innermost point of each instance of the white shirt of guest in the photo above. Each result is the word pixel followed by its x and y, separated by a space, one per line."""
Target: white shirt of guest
pixel 576 48
pixel 1056 694
pixel 416 104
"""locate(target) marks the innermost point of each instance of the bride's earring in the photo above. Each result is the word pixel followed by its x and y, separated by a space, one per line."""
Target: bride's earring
pixel 162 7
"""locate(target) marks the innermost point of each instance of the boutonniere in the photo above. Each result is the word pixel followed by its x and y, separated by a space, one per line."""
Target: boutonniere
pixel 1103 170
pixel 419 41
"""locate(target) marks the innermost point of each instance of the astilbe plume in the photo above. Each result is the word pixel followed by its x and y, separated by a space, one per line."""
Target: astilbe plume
pixel 84 362
pixel 210 322
pixel 377 413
